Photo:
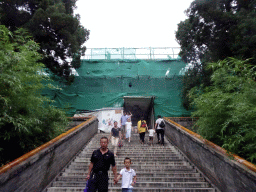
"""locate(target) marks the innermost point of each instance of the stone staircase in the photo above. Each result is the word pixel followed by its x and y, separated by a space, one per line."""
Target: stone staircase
pixel 158 169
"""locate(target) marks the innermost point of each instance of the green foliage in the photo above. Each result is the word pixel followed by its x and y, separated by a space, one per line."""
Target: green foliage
pixel 194 77
pixel 215 30
pixel 27 119
pixel 54 26
pixel 227 109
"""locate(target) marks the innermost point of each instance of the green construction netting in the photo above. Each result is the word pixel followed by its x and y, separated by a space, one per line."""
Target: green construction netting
pixel 103 83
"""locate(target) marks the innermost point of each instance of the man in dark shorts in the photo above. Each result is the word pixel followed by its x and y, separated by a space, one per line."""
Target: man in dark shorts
pixel 159 130
pixel 101 160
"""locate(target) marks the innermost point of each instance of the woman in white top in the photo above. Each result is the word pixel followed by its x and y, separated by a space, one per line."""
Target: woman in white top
pixel 128 128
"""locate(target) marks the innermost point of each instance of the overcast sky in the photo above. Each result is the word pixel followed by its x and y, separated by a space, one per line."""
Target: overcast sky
pixel 131 23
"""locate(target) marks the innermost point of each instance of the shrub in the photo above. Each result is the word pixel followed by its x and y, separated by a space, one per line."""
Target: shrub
pixel 227 109
pixel 27 119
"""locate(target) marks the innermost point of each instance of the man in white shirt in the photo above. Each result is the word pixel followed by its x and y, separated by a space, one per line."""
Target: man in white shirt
pixel 159 130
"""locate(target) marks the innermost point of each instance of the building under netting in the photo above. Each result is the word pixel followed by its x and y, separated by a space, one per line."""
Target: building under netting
pixel 145 81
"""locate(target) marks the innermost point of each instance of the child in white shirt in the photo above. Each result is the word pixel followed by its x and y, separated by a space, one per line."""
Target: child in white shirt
pixel 128 176
pixel 151 135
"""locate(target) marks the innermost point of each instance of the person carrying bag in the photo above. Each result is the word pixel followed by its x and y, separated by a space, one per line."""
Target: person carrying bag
pixel 142 128
pixel 160 129
pixel 86 186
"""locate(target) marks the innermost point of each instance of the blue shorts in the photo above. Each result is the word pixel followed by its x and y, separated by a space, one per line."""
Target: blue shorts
pixel 126 189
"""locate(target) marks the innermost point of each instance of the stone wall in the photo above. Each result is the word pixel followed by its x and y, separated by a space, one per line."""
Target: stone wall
pixel 226 174
pixel 36 169
pixel 187 122
pixel 76 121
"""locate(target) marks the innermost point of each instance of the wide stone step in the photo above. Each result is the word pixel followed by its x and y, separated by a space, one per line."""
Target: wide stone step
pixel 145 169
pixel 141 174
pixel 141 179
pixel 136 148
pixel 137 151
pixel 134 141
pixel 141 155
pixel 138 159
pixel 138 167
pixel 126 153
pixel 134 138
pixel 122 154
pixel 139 184
pixel 144 189
pixel 158 169
pixel 118 162
pixel 134 145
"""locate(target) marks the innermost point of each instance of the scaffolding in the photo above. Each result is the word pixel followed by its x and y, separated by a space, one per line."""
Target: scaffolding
pixel 146 53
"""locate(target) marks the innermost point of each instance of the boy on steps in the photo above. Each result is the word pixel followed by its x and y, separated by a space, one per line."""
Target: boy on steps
pixel 151 136
pixel 128 176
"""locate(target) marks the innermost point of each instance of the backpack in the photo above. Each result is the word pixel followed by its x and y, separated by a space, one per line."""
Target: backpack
pixel 143 124
pixel 162 124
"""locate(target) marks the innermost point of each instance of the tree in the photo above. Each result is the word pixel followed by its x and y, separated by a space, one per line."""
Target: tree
pixel 52 25
pixel 215 30
pixel 227 108
pixel 198 75
pixel 27 119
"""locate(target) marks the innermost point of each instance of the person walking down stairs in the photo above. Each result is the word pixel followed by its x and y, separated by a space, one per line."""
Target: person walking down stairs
pixel 101 160
pixel 115 135
pixel 142 128
pixel 128 176
pixel 157 169
pixel 128 128
pixel 123 121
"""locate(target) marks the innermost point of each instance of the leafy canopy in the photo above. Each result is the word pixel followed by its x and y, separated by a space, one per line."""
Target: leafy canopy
pixel 227 109
pixel 217 29
pixel 54 26
pixel 27 119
